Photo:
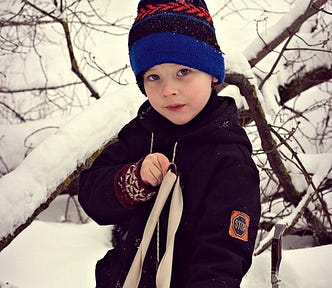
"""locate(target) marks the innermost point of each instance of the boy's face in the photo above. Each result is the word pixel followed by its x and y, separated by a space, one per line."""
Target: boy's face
pixel 177 92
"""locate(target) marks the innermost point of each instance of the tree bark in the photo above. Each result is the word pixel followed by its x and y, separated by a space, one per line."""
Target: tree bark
pixel 290 194
pixel 300 84
pixel 256 112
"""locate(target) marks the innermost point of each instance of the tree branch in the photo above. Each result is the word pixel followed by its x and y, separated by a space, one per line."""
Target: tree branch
pixel 62 188
pixel 290 30
pixel 18 115
pixel 73 61
pixel 302 83
pixel 248 90
pixel 6 90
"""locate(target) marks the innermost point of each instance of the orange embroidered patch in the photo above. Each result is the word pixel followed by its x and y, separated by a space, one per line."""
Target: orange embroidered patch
pixel 239 225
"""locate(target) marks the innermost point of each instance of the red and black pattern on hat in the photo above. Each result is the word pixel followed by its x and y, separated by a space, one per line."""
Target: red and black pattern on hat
pixel 190 18
pixel 176 7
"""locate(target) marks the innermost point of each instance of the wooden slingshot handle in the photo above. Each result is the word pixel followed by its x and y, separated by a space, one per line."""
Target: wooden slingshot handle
pixel 171 182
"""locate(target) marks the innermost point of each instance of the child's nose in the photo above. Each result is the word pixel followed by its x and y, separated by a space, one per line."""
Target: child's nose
pixel 170 88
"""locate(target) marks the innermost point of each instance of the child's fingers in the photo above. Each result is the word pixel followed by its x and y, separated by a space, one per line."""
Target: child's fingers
pixel 163 163
pixel 154 168
pixel 155 176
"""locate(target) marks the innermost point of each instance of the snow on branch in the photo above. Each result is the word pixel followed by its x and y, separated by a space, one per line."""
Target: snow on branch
pixel 288 25
pixel 301 83
pixel 53 164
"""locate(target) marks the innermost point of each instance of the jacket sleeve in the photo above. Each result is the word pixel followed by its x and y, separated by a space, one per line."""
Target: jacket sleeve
pixel 227 227
pixel 96 185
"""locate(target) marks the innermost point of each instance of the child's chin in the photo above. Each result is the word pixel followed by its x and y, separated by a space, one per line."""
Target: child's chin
pixel 180 121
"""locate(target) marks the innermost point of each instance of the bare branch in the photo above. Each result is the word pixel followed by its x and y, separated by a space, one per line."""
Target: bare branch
pixel 268 143
pixel 17 115
pixel 73 61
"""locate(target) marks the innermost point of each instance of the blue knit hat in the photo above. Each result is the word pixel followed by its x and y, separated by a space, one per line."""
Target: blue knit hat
pixel 174 31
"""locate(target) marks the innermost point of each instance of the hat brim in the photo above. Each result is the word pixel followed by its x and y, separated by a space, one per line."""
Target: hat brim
pixel 160 48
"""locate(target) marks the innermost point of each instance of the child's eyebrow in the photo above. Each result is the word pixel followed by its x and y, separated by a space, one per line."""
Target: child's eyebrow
pixel 151 71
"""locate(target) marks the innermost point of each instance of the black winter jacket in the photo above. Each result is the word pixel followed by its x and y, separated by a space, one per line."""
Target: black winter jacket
pixel 220 183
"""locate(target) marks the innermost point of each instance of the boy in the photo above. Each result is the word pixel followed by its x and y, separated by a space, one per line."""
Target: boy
pixel 176 60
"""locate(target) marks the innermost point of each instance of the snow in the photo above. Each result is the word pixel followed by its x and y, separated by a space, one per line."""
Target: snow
pixel 300 268
pixel 18 140
pixel 64 254
pixel 59 255
pixel 26 187
pixel 296 10
pixel 53 253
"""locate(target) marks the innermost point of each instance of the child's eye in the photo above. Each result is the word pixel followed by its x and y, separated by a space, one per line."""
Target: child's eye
pixel 153 77
pixel 183 72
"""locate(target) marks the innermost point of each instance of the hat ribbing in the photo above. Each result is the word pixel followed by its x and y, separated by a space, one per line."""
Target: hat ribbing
pixel 180 32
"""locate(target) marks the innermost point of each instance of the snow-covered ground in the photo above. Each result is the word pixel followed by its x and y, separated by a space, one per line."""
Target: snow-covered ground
pixel 63 254
pixel 54 254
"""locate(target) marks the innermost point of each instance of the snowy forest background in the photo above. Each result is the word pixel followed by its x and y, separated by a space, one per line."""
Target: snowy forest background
pixel 66 88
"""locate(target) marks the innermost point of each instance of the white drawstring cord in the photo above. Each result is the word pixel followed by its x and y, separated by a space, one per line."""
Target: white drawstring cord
pixel 174 152
pixel 151 143
pixel 157 230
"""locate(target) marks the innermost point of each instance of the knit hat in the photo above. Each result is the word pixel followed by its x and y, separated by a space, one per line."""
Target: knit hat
pixel 174 31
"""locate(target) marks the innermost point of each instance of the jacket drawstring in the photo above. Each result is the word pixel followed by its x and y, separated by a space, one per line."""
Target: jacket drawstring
pixel 151 143
pixel 174 151
pixel 158 229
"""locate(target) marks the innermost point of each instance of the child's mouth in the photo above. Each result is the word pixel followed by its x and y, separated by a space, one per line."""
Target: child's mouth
pixel 175 107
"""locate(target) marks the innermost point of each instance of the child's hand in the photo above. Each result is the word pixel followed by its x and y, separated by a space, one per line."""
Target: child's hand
pixel 154 168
